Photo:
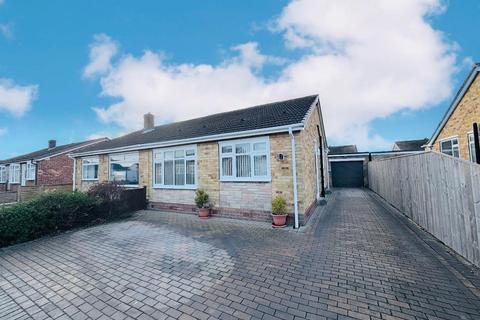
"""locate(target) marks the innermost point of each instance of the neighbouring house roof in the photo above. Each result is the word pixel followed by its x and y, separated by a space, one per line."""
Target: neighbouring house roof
pixel 267 116
pixel 342 149
pixel 49 152
pixel 458 97
pixel 410 145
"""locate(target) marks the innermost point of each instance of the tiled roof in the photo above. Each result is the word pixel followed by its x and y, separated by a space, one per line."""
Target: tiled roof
pixel 270 115
pixel 47 152
pixel 410 145
pixel 342 149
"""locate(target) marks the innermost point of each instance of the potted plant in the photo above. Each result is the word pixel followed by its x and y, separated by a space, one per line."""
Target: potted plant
pixel 201 200
pixel 278 212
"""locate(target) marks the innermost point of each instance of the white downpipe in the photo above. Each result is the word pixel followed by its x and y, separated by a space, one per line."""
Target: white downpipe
pixel 294 172
pixel 74 173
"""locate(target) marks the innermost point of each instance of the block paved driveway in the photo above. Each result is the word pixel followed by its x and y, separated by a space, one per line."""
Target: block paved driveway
pixel 356 260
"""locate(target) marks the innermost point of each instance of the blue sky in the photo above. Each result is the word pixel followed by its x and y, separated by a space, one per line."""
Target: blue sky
pixel 182 60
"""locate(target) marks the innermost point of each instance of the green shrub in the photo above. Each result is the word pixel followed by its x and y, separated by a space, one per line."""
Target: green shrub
pixel 201 198
pixel 53 212
pixel 279 205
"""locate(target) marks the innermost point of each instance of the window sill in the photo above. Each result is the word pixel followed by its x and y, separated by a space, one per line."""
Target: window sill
pixel 89 180
pixel 175 187
pixel 246 181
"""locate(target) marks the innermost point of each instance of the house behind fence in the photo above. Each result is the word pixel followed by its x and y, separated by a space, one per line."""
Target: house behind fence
pixel 438 192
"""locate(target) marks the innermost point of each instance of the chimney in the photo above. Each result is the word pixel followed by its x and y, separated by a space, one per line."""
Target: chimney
pixel 52 144
pixel 148 121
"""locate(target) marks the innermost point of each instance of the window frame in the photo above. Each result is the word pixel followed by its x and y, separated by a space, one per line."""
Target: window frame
pixel 12 175
pixel 97 159
pixel 137 154
pixel 471 144
pixel 162 185
pixel 3 174
pixel 28 169
pixel 252 153
pixel 451 139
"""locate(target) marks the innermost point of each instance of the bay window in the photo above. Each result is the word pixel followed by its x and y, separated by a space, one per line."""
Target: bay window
pixel 245 160
pixel 31 171
pixel 124 168
pixel 14 173
pixel 175 167
pixel 450 147
pixel 471 147
pixel 90 168
pixel 3 174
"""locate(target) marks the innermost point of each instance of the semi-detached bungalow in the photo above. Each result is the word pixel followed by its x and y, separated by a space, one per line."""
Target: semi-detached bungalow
pixel 50 166
pixel 241 158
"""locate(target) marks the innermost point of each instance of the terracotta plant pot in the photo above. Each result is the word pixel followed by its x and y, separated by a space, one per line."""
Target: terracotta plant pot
pixel 279 220
pixel 203 213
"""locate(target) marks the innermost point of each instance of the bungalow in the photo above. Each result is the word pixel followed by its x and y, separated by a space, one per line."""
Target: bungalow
pixel 50 166
pixel 455 135
pixel 241 158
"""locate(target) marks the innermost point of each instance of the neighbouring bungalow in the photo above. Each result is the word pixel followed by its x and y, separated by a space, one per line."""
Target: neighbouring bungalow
pixel 50 166
pixel 455 133
pixel 241 158
pixel 410 145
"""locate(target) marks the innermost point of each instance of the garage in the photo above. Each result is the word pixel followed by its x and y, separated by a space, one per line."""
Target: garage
pixel 347 174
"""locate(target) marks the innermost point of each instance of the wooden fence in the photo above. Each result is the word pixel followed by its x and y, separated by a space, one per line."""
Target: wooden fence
pixel 27 193
pixel 438 192
pixel 136 198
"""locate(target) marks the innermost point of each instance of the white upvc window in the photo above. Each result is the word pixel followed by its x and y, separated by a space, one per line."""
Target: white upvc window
pixel 471 147
pixel 450 146
pixel 245 160
pixel 3 174
pixel 175 168
pixel 124 168
pixel 31 171
pixel 90 168
pixel 14 173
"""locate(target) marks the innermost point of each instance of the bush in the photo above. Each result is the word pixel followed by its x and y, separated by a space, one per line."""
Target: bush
pixel 279 205
pixel 109 195
pixel 54 212
pixel 201 198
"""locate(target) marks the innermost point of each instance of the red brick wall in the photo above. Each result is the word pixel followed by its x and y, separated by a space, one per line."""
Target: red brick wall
pixel 3 187
pixel 55 171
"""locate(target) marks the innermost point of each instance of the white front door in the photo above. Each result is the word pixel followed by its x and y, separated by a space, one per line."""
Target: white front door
pixel 24 174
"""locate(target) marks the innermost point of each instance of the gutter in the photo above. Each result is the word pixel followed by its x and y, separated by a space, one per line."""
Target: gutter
pixel 294 173
pixel 74 174
pixel 216 137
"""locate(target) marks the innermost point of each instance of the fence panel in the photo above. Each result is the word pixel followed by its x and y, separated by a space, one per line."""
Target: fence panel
pixel 438 192
pixel 135 198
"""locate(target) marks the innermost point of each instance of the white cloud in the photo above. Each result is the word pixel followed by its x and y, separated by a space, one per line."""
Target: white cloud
pixel 102 50
pixel 366 59
pixel 6 29
pixel 16 99
pixel 3 131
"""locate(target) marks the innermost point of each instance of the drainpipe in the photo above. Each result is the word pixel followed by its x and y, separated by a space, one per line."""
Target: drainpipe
pixel 294 172
pixel 74 173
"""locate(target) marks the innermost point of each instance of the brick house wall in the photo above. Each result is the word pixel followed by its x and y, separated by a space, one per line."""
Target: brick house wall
pixel 461 121
pixel 56 170
pixel 250 200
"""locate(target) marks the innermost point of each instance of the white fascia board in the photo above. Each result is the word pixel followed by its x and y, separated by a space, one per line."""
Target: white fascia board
pixel 217 137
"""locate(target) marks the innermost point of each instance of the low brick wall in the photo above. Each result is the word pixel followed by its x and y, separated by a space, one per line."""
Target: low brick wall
pixel 256 215
pixel 8 197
